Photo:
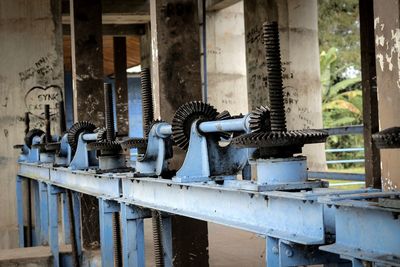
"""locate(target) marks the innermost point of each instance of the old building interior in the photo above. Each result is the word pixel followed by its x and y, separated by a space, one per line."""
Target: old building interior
pixel 190 133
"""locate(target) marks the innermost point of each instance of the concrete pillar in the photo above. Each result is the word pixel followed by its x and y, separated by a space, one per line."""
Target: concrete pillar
pixel 226 60
pixel 387 50
pixel 87 74
pixel 31 75
pixel 298 27
pixel 176 80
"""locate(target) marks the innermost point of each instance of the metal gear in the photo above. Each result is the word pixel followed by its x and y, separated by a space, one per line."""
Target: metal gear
pixel 260 120
pixel 101 134
pixel 106 146
pixel 75 130
pixel 32 134
pixel 184 118
pixel 53 146
pixel 280 139
pixel 150 125
pixel 224 115
pixel 134 143
pixel 388 138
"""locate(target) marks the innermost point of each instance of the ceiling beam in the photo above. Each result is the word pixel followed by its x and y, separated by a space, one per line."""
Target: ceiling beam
pixel 114 29
pixel 117 11
pixel 215 5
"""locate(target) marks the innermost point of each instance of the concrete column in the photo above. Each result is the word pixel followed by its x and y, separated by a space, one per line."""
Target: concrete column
pixel 226 60
pixel 176 80
pixel 31 75
pixel 87 74
pixel 387 50
pixel 121 85
pixel 298 27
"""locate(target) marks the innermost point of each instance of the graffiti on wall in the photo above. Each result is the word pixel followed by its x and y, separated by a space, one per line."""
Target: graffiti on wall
pixel 38 96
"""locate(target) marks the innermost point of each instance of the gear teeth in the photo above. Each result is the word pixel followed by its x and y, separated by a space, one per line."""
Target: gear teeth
pixel 185 116
pixel 134 143
pixel 32 134
pixel 75 130
pixel 260 120
pixel 101 134
pixel 106 145
pixel 281 139
pixel 388 138
pixel 224 115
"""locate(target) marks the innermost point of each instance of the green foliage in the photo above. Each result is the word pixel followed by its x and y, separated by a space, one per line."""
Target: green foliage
pixel 341 106
pixel 339 27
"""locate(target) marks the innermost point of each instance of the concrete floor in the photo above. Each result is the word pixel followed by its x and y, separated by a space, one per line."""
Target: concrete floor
pixel 227 247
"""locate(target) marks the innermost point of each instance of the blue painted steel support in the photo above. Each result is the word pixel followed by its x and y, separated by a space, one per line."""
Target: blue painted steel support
pixel 52 192
pixel 36 202
pixel 132 236
pixel 106 209
pixel 166 226
pixel 20 211
pixel 65 218
pixel 272 251
pixel 43 215
pixel 76 204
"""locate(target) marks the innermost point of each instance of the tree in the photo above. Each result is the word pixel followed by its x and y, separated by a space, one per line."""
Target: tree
pixel 339 27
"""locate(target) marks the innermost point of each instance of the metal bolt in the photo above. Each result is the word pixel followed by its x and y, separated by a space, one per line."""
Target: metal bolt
pixel 275 250
pixel 274 76
pixel 289 253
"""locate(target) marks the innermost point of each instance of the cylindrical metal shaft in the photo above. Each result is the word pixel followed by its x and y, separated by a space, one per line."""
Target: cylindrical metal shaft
pixel 147 100
pixel 61 110
pixel 47 122
pixel 232 125
pixel 27 121
pixel 274 75
pixel 109 114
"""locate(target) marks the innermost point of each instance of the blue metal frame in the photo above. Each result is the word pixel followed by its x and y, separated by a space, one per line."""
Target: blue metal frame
pixel 294 223
pixel 132 235
pixel 20 211
pixel 106 210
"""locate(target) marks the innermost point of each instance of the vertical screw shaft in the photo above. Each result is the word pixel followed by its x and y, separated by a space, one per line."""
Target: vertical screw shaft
pixel 147 99
pixel 61 110
pixel 27 121
pixel 109 114
pixel 274 75
pixel 47 122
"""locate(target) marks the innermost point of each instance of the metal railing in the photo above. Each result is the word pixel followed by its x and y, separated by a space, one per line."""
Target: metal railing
pixel 356 129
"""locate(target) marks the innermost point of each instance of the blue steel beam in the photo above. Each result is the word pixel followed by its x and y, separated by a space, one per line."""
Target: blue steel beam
pixel 65 218
pixel 106 210
pixel 43 214
pixel 53 192
pixel 132 235
pixel 20 211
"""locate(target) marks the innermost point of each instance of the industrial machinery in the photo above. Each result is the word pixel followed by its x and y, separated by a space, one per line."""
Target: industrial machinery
pixel 303 221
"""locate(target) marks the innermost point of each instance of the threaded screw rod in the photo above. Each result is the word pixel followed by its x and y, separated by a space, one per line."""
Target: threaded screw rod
pixel 274 75
pixel 27 121
pixel 109 114
pixel 47 122
pixel 147 99
pixel 61 110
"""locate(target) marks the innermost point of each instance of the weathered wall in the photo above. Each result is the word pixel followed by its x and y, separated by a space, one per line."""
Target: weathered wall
pixel 387 47
pixel 226 60
pixel 298 27
pixel 31 75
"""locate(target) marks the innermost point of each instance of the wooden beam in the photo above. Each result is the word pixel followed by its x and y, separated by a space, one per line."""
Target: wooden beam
pixel 176 77
pixel 121 85
pixel 114 29
pixel 370 96
pixel 87 73
pixel 117 11
pixel 215 5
